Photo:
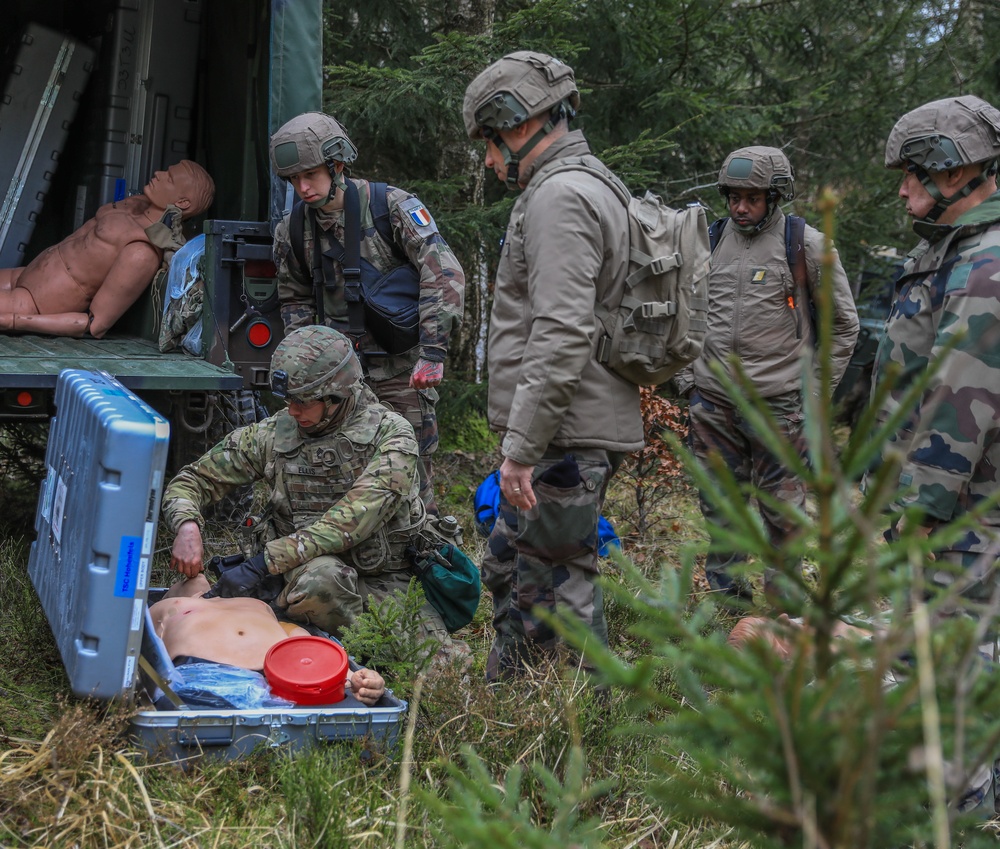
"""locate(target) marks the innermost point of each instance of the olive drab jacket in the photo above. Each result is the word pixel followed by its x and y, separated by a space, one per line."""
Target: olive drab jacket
pixel 350 491
pixel 755 312
pixel 566 248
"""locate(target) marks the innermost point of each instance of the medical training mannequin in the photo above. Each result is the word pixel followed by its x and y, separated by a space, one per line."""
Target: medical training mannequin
pixel 86 282
pixel 236 631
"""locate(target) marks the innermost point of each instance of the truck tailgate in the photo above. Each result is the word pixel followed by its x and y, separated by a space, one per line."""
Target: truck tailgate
pixel 35 362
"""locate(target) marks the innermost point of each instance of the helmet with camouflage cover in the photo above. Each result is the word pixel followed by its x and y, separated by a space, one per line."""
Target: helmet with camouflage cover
pixel 314 363
pixel 513 89
pixel 758 167
pixel 943 135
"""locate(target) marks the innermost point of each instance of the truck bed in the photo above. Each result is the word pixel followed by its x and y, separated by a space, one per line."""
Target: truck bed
pixel 35 362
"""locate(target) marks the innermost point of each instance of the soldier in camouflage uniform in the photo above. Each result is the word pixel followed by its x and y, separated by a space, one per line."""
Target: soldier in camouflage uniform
pixel 756 313
pixel 344 504
pixel 313 152
pixel 566 420
pixel 950 442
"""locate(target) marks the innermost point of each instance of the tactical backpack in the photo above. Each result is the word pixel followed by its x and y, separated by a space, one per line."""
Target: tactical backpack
pixel 795 256
pixel 384 305
pixel 659 325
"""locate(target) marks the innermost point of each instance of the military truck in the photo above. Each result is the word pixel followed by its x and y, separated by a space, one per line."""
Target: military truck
pixel 97 96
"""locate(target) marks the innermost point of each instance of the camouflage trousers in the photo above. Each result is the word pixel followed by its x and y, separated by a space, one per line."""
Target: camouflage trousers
pixel 417 407
pixel 545 559
pixel 329 593
pixel 717 426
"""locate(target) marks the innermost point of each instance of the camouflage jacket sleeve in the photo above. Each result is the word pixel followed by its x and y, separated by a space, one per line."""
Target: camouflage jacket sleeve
pixel 845 314
pixel 237 460
pixel 295 289
pixel 955 423
pixel 377 494
pixel 442 280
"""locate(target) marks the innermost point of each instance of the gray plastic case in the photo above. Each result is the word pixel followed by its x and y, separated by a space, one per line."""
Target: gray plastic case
pixel 90 564
pixel 40 98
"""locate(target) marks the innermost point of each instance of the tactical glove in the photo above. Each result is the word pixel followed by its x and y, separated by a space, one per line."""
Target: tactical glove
pixel 240 580
pixel 426 374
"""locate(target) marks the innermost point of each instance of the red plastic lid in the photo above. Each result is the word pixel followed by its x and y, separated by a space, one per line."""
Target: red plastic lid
pixel 307 670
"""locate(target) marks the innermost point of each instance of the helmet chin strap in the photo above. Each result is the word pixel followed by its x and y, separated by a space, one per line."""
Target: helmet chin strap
pixel 337 181
pixel 941 202
pixel 512 160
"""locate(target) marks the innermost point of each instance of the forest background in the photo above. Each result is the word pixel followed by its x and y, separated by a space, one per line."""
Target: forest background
pixel 669 88
pixel 698 745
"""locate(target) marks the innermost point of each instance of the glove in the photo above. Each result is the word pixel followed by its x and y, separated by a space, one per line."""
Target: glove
pixel 240 580
pixel 426 374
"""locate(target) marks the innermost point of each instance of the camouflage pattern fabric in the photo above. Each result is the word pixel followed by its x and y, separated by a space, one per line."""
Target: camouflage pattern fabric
pixel 950 443
pixel 716 426
pixel 442 280
pixel 546 559
pixel 417 407
pixel 352 489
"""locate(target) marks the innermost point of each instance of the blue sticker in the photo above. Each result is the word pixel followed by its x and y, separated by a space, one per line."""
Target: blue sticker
pixel 127 575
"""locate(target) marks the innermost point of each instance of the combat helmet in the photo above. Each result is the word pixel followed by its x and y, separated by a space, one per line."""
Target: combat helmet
pixel 513 89
pixel 314 363
pixel 308 141
pixel 942 135
pixel 758 167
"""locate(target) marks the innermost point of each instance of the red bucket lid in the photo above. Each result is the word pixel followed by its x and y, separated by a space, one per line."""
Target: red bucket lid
pixel 307 670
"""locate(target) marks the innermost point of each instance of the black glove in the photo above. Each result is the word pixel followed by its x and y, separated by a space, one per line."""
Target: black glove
pixel 240 580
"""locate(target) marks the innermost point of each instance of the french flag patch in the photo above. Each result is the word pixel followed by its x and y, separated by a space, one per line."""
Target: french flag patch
pixel 420 216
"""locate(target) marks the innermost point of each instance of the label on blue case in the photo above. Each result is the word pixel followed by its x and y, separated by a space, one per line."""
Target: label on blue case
pixel 127 576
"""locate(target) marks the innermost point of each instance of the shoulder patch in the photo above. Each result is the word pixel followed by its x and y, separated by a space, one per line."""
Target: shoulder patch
pixel 419 217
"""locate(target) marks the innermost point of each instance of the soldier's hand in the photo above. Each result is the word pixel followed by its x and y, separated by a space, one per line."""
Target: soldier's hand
pixel 426 374
pixel 188 551
pixel 240 580
pixel 515 484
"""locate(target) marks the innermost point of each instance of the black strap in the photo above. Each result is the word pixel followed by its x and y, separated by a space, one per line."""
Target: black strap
pixel 297 235
pixel 352 262
pixel 715 232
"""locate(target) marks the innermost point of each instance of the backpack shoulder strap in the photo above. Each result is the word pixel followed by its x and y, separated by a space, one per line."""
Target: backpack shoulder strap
pixel 715 232
pixel 795 250
pixel 795 255
pixel 378 203
pixel 297 234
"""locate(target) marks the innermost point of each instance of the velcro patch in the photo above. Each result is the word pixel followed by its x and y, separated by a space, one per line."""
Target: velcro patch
pixel 419 216
pixel 759 276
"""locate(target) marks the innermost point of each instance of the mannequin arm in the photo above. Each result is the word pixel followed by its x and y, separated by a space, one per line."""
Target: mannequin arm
pixel 128 278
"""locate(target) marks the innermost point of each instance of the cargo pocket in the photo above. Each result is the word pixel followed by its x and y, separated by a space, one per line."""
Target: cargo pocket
pixel 563 523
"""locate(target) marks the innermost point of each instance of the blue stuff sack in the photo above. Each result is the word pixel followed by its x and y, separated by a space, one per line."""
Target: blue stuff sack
pixel 486 503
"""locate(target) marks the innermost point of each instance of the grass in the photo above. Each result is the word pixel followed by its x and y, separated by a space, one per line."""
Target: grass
pixel 70 777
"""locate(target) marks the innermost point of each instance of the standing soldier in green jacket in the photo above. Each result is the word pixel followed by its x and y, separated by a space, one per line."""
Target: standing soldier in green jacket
pixel 566 420
pixel 947 312
pixel 313 152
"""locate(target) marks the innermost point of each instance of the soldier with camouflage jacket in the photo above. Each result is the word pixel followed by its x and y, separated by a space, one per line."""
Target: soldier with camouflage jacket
pixel 343 497
pixel 949 443
pixel 313 152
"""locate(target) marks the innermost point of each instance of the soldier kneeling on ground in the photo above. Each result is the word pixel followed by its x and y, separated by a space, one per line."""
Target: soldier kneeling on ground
pixel 343 502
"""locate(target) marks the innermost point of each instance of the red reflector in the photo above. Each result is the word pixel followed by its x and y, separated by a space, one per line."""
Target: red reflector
pixel 25 399
pixel 259 268
pixel 259 334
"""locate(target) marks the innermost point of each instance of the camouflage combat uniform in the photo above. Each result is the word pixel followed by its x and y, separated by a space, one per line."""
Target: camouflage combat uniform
pixel 950 443
pixel 750 317
pixel 558 409
pixel 442 299
pixel 344 505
